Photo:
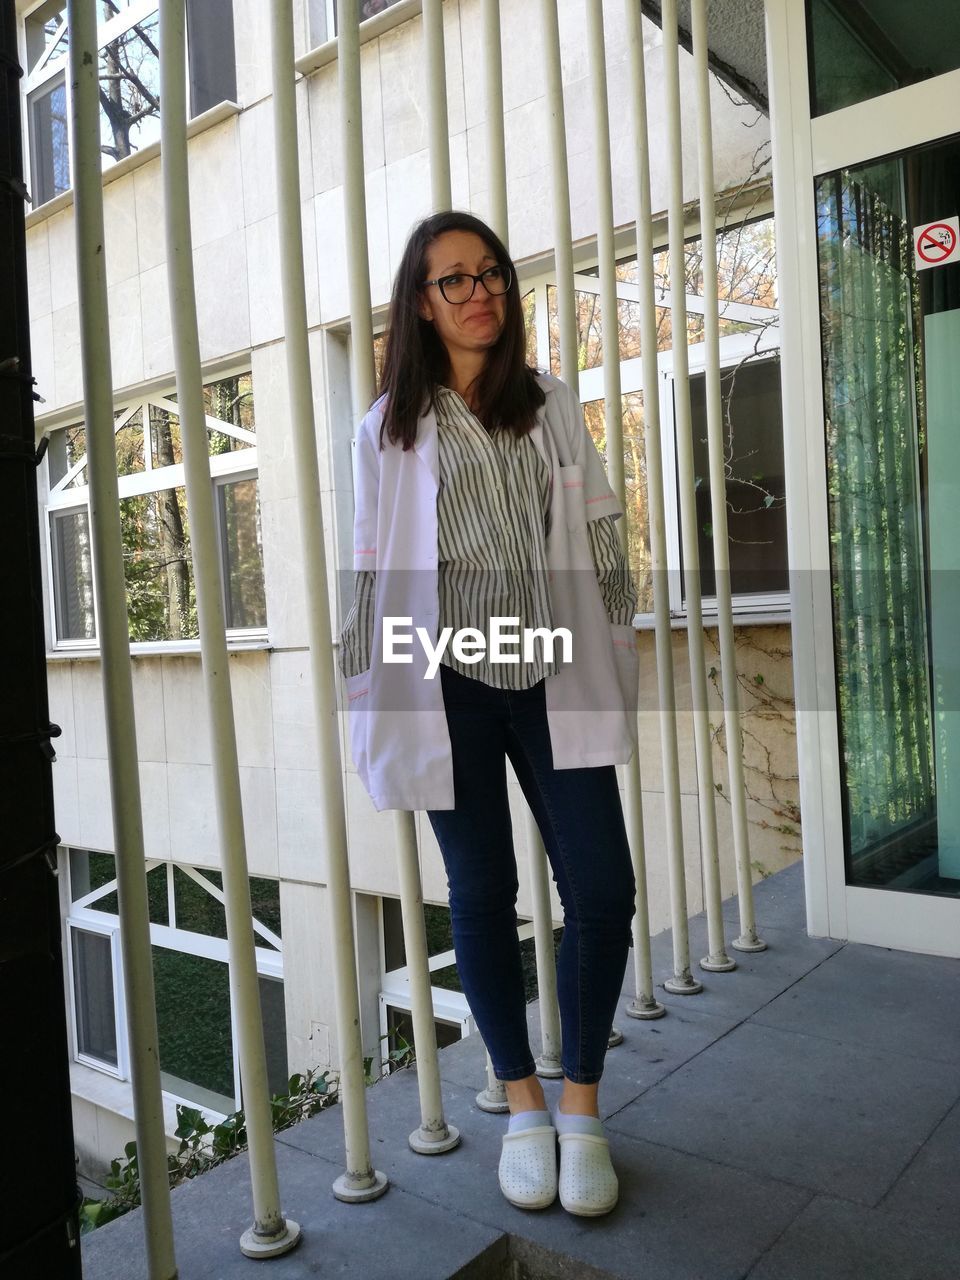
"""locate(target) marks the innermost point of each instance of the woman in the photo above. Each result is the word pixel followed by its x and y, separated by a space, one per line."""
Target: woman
pixel 480 495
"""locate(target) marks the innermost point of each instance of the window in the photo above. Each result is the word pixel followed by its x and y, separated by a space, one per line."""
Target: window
pixel 859 51
pixel 749 339
pixel 154 521
pixel 197 1037
pixel 323 16
pixel 93 960
pixel 755 485
pixel 129 66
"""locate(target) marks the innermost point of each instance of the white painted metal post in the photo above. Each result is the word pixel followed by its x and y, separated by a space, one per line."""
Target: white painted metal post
pixel 548 1060
pixel 113 636
pixel 748 940
pixel 717 959
pixel 494 1097
pixel 682 982
pixel 563 258
pixel 360 1181
pixel 433 1136
pixel 560 181
pixel 437 126
pixel 270 1234
pixel 496 154
pixel 613 421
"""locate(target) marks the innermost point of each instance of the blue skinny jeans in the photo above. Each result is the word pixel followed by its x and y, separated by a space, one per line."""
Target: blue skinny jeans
pixel 580 817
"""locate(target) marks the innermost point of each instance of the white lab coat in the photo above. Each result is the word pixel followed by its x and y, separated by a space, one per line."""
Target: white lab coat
pixel 399 738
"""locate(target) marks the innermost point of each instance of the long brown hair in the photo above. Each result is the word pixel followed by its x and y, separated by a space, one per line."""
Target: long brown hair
pixel 416 361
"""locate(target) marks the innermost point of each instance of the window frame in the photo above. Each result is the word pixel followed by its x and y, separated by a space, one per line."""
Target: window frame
pixel 238 464
pixel 101 925
pixel 83 916
pixel 733 349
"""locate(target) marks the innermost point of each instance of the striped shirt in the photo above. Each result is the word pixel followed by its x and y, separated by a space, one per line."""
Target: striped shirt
pixel 493 512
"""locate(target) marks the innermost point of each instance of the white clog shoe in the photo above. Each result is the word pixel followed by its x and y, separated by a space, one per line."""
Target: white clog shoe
pixel 588 1185
pixel 528 1167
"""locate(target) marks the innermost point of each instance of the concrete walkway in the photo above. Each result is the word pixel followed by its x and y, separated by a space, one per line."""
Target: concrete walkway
pixel 799 1120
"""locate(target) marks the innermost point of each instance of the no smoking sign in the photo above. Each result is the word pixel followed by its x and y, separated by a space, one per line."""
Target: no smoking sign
pixel 937 244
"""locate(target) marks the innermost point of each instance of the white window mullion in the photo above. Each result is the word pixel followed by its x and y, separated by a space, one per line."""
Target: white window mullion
pixel 541 319
pixel 668 449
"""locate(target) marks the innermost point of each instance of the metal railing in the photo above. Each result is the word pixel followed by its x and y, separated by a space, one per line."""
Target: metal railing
pixel 270 1234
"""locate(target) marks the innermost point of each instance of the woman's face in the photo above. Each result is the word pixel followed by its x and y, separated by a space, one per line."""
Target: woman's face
pixel 468 326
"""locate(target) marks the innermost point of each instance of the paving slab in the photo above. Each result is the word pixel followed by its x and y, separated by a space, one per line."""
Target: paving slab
pixel 894 1001
pixel 397 1236
pixel 799 1108
pixel 679 1217
pixel 758 979
pixel 928 1191
pixel 650 1051
pixel 835 1240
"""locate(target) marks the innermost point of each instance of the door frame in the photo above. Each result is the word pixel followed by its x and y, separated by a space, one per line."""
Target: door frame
pixel 803 149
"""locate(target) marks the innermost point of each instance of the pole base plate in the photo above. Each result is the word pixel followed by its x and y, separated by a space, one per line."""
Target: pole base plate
pixel 548 1068
pixel 254 1246
pixel 344 1189
pixel 491 1101
pixel 686 986
pixel 645 1011
pixel 718 964
pixel 746 942
pixel 420 1143
pixel 615 1038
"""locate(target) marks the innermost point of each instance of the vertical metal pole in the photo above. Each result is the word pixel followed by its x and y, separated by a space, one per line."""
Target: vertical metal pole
pixel 682 982
pixel 114 641
pixel 613 421
pixel 494 1097
pixel 549 1059
pixel 748 940
pixel 433 1136
pixel 270 1234
pixel 562 234
pixel 359 1180
pixel 496 152
pixel 717 960
pixel 563 258
pixel 354 203
pixel 438 128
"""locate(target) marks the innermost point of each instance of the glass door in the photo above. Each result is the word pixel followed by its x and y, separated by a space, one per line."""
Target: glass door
pixel 890 349
pixel 866 157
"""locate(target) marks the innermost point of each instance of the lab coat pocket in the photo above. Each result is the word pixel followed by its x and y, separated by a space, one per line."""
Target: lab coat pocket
pixel 627 661
pixel 571 478
pixel 358 711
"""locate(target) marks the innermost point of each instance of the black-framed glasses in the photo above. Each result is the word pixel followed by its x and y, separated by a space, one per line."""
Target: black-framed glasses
pixel 459 287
